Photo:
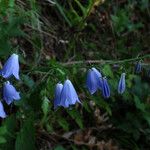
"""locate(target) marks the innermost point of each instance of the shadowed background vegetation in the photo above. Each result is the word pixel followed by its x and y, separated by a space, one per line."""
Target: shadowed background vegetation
pixel 60 39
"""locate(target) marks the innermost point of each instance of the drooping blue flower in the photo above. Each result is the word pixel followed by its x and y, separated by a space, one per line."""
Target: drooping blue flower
pixel 2 112
pixel 138 67
pixel 11 67
pixel 9 93
pixel 122 84
pixel 58 90
pixel 105 88
pixel 68 95
pixel 93 80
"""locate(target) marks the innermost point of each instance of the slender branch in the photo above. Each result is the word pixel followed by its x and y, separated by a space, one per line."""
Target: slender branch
pixel 83 62
pixel 102 62
pixel 41 31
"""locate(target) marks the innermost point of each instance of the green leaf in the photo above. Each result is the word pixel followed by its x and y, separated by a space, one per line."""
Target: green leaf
pixel 139 104
pixel 49 127
pixel 61 10
pixel 2 140
pixel 26 137
pixel 76 116
pixel 11 3
pixel 147 117
pixel 103 104
pixel 59 148
pixel 63 123
pixel 82 8
pixel 8 129
pixel 86 106
pixel 60 71
pixel 3 130
pixel 27 80
pixel 74 147
pixel 107 71
pixel 5 47
pixel 45 105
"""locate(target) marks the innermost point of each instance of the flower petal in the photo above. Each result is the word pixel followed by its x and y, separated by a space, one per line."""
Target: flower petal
pixel 105 88
pixel 2 112
pixel 11 67
pixel 9 93
pixel 138 67
pixel 122 85
pixel 58 90
pixel 68 95
pixel 93 80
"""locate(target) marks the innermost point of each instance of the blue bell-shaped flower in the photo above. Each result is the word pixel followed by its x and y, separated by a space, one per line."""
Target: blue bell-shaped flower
pixel 58 90
pixel 11 67
pixel 2 112
pixel 9 93
pixel 138 67
pixel 105 88
pixel 122 84
pixel 93 80
pixel 68 95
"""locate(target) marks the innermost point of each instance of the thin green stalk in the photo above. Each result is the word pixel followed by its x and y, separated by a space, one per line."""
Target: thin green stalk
pixel 105 61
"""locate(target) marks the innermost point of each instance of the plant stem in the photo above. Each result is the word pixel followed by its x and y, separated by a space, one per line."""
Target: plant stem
pixel 102 62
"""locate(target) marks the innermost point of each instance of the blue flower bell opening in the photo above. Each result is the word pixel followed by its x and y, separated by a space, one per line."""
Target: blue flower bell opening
pixel 11 67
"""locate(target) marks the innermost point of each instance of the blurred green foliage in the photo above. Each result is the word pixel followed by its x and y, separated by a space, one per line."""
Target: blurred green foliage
pixel 76 12
pixel 9 26
pixel 91 30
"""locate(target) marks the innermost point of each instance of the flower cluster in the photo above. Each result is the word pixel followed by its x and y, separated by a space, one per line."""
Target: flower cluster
pixel 10 68
pixel 95 81
pixel 65 95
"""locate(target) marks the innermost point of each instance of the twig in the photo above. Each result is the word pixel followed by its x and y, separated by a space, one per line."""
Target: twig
pixel 102 62
pixel 46 33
